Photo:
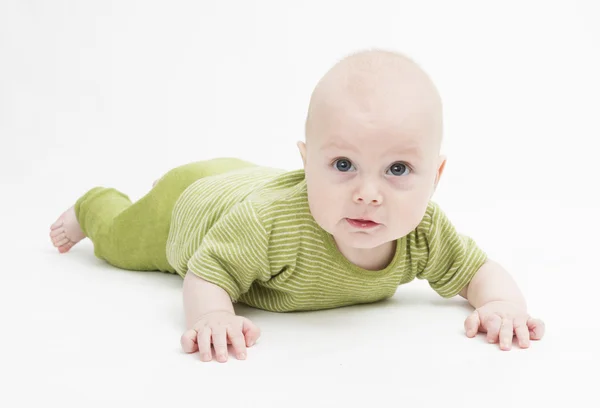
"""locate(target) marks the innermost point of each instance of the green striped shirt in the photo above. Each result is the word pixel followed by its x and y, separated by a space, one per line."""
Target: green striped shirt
pixel 250 232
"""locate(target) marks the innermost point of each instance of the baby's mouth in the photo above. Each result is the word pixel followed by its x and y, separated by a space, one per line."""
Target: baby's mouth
pixel 360 223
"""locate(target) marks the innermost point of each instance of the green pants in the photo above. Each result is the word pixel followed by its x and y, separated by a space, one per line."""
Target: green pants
pixel 134 235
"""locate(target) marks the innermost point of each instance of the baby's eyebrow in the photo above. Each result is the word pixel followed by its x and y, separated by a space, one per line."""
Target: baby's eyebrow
pixel 411 150
pixel 337 144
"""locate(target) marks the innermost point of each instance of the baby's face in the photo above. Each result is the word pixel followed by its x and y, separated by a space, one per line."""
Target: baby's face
pixel 371 171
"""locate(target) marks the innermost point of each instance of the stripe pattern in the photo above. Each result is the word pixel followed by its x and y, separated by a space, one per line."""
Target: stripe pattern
pixel 250 232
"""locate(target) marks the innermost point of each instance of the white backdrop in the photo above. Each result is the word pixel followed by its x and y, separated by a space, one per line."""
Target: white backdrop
pixel 116 93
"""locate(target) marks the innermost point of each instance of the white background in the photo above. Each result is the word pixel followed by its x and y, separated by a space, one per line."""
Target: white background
pixel 116 93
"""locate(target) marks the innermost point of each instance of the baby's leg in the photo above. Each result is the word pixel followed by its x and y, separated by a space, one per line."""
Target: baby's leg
pixel 66 232
pixel 125 234
pixel 132 235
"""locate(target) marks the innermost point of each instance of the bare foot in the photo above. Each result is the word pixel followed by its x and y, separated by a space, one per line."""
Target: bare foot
pixel 65 232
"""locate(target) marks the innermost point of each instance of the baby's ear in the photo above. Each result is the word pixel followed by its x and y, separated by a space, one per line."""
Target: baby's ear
pixel 302 148
pixel 440 170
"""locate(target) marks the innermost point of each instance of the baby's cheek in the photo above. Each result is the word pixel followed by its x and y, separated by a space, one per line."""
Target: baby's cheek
pixel 324 201
pixel 415 214
pixel 323 205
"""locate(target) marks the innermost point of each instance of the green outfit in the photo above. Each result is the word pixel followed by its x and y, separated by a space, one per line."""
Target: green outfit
pixel 249 230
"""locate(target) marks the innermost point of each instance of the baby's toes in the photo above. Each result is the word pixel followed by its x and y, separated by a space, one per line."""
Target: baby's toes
pixel 64 248
pixel 61 240
pixel 57 224
pixel 55 233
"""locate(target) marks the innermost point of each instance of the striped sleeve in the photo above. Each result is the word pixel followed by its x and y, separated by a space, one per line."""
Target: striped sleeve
pixel 233 254
pixel 452 258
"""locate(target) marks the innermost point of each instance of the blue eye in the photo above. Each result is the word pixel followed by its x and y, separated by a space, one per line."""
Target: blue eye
pixel 399 169
pixel 343 165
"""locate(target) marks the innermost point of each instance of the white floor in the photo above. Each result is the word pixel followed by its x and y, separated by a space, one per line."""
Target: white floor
pixel 77 331
pixel 116 93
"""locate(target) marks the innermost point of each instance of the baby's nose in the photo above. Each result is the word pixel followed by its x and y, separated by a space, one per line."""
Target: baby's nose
pixel 374 201
pixel 368 194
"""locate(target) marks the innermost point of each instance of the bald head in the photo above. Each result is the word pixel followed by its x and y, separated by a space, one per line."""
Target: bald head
pixel 381 83
pixel 373 135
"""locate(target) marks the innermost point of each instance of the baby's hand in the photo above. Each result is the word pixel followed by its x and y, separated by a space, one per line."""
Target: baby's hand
pixel 501 320
pixel 222 328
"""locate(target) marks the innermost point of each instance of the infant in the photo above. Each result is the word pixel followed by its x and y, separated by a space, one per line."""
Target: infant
pixel 352 225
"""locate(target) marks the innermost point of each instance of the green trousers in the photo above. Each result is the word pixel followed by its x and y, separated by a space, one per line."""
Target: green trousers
pixel 133 236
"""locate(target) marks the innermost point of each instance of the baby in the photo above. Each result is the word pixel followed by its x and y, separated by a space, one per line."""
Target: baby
pixel 350 227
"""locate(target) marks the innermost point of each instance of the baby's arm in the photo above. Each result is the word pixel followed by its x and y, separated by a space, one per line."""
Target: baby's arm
pixel 500 308
pixel 210 318
pixel 232 256
pixel 201 297
pixel 454 264
pixel 492 282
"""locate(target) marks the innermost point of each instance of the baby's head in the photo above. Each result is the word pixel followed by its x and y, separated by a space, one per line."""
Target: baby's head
pixel 372 151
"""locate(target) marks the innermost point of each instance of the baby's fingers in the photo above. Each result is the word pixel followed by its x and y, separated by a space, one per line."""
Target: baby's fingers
pixel 506 334
pixel 237 342
pixel 537 328
pixel 251 332
pixel 522 332
pixel 204 335
pixel 472 324
pixel 492 326
pixel 219 338
pixel 188 341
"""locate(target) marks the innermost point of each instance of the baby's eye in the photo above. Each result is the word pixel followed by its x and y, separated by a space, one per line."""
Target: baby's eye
pixel 343 165
pixel 399 169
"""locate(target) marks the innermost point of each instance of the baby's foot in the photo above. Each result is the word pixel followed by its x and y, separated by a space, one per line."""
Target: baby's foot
pixel 66 232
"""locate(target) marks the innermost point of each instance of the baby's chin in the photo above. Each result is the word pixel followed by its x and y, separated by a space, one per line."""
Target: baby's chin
pixel 366 240
pixel 361 240
pixel 345 235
